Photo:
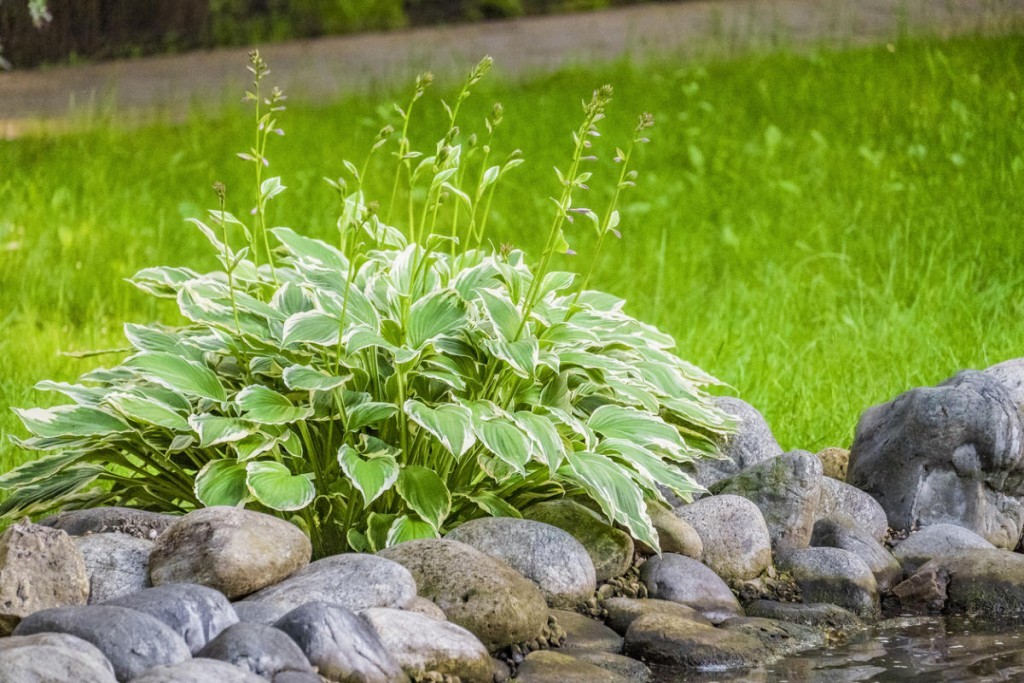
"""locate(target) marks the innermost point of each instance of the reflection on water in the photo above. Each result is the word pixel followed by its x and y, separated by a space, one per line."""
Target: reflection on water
pixel 921 650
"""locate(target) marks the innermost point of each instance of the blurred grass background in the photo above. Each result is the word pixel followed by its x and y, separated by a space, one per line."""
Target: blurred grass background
pixel 821 230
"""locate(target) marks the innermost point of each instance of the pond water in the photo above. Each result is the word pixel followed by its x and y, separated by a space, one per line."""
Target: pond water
pixel 921 650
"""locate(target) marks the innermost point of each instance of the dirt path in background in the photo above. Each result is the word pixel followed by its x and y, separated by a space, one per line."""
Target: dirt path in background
pixel 322 69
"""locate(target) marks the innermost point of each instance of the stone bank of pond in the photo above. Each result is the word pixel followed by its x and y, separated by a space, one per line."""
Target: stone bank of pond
pixel 919 649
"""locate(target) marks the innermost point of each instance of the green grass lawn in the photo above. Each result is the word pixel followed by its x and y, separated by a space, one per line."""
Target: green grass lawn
pixel 822 230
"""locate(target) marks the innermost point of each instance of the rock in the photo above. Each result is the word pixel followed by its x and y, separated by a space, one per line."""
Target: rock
pixel 683 643
pixel 199 671
pixel 50 664
pixel 103 520
pixel 420 644
pixel 233 550
pixel 545 666
pixel 824 617
pixel 843 532
pixel 256 612
pixel 687 581
pixel 787 490
pixel 840 498
pixel 584 633
pixel 341 645
pixel 951 453
pixel 934 541
pixel 297 677
pixel 735 539
pixel 483 595
pixel 196 613
pixel 97 661
pixel 40 568
pixel 117 564
pixel 834 462
pixel 925 591
pixel 610 550
pixel 623 611
pixel 987 583
pixel 752 443
pixel 353 580
pixel 778 637
pixel 1010 373
pixel 133 642
pixel 262 650
pixel 674 534
pixel 630 669
pixel 834 576
pixel 547 555
pixel 426 607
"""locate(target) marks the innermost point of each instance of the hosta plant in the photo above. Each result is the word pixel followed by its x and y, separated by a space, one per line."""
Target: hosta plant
pixel 389 385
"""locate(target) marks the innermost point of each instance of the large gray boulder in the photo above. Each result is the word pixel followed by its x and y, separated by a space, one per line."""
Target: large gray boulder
pixel 353 580
pixel 734 537
pixel 103 520
pixel 200 670
pixel 1011 374
pixel 262 650
pixel 584 633
pixel 835 576
pixel 684 580
pixel 952 453
pixel 778 636
pixel 843 532
pixel 550 557
pixel 610 549
pixel 233 550
pixel 40 568
pixel 787 490
pixel 752 443
pixel 824 617
pixel 937 540
pixel 621 612
pixel 196 613
pixel 52 654
pixel 983 583
pixel 133 642
pixel 421 644
pixel 840 498
pixel 117 564
pixel 476 591
pixel 340 644
pixel 689 645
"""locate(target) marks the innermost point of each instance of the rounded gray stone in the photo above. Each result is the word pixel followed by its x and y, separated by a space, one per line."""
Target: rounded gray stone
pixel 199 670
pixel 735 539
pixel 778 637
pixel 823 617
pixel 117 564
pixel 623 611
pixel 550 557
pixel 843 532
pixel 674 534
pixel 632 670
pixel 50 664
pixel 787 490
pixel 354 580
pixel 196 613
pixel 610 549
pixel 262 650
pixel 132 641
pixel 584 633
pixel 937 540
pixel 834 576
pixel 257 612
pixel 547 666
pixel 984 583
pixel 138 523
pixel 840 498
pixel 64 642
pixel 234 550
pixel 474 590
pixel 689 645
pixel 420 644
pixel 340 644
pixel 752 443
pixel 684 580
pixel 1010 373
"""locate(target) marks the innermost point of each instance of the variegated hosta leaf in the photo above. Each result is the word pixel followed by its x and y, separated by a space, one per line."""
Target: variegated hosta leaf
pixel 179 374
pixel 620 498
pixel 311 327
pixel 406 528
pixel 651 468
pixel 148 411
pixel 273 485
pixel 450 424
pixel 425 493
pixel 266 406
pixel 372 475
pixel 309 249
pixel 501 312
pixel 305 378
pixel 492 504
pixel 619 422
pixel 214 430
pixel 40 469
pixel 440 313
pixel 547 441
pixel 221 482
pixel 500 435
pixel 48 494
pixel 368 414
pixel 79 393
pixel 522 356
pixel 70 420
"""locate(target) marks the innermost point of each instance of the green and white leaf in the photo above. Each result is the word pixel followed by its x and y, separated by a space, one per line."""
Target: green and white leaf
pixel 179 374
pixel 369 413
pixel 148 411
pixel 620 498
pixel 273 485
pixel 425 493
pixel 311 327
pixel 450 424
pixel 266 406
pixel 221 482
pixel 406 528
pixel 440 313
pixel 214 430
pixel 70 420
pixel 372 475
pixel 305 378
